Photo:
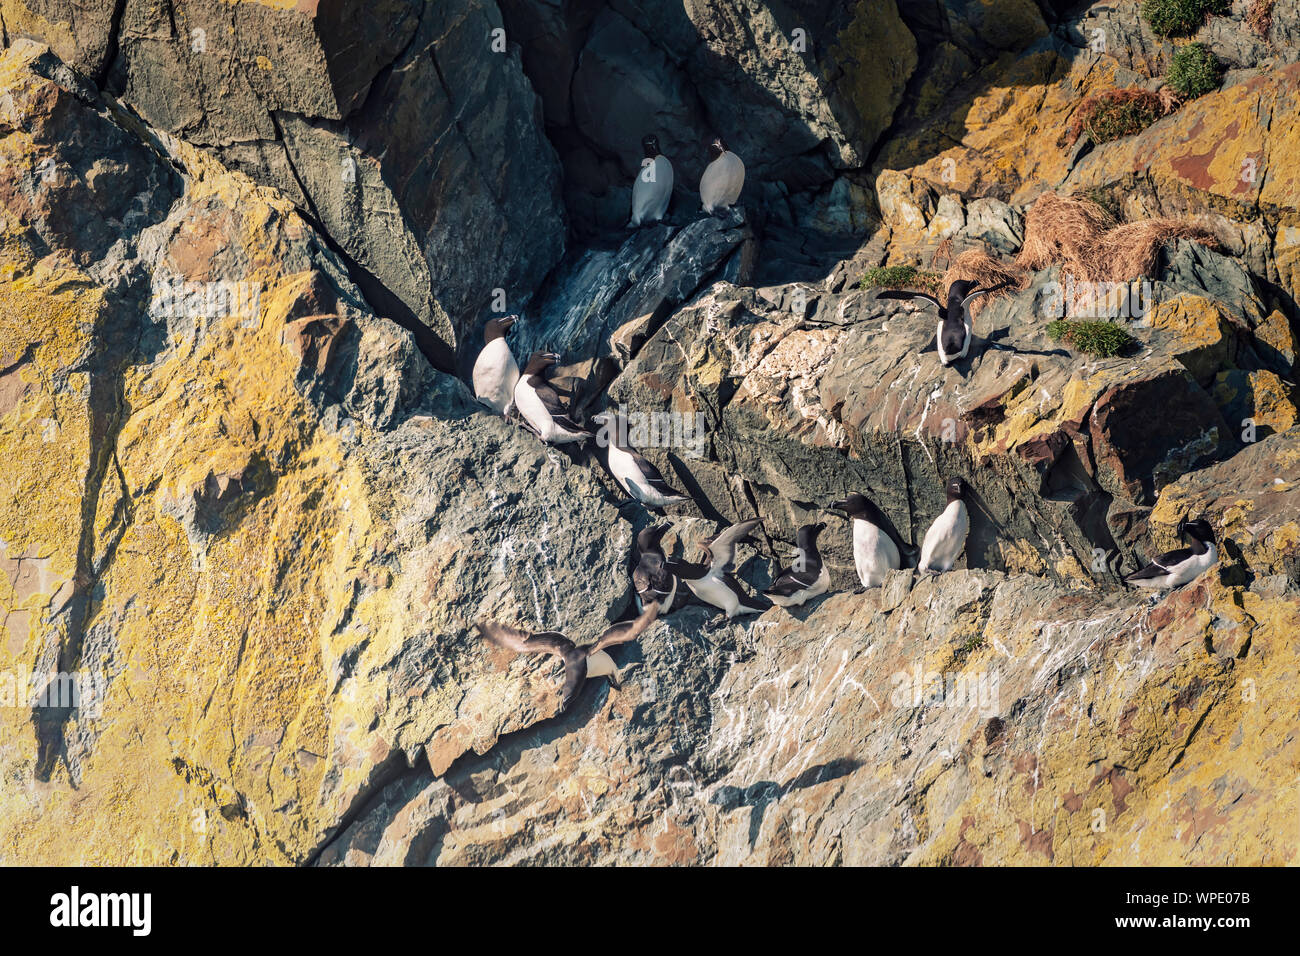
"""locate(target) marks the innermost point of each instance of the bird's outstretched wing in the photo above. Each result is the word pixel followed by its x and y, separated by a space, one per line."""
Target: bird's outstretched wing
pixel 626 631
pixel 722 548
pixel 977 292
pixel 905 295
pixel 522 642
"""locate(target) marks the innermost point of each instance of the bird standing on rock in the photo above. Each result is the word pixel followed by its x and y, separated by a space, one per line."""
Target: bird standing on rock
pixel 808 577
pixel 723 178
pixel 540 404
pixel 875 552
pixel 495 370
pixel 1176 568
pixel 953 335
pixel 946 538
pixel 653 187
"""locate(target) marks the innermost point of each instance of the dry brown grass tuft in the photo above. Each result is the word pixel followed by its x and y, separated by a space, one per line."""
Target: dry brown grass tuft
pixel 1081 236
pixel 1259 17
pixel 978 266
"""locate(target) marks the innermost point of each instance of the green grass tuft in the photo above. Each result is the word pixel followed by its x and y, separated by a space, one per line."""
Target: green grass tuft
pixel 1178 18
pixel 901 277
pixel 1104 339
pixel 1194 71
pixel 1119 113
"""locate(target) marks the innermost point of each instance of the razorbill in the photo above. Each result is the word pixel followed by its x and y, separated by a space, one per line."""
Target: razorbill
pixel 1175 568
pixel 947 536
pixel 640 479
pixel 808 577
pixel 495 369
pixel 579 662
pixel 653 187
pixel 540 405
pixel 874 549
pixel 715 585
pixel 723 178
pixel 953 334
pixel 655 577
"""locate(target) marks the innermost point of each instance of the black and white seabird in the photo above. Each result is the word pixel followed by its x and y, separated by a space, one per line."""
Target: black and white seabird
pixel 716 586
pixel 875 550
pixel 953 334
pixel 653 187
pixel 655 577
pixel 1176 568
pixel 579 662
pixel 540 404
pixel 807 578
pixel 723 178
pixel 495 370
pixel 639 478
pixel 947 536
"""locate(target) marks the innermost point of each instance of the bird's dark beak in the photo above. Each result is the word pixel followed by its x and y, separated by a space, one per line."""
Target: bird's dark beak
pixel 508 321
pixel 1182 528
pixel 841 505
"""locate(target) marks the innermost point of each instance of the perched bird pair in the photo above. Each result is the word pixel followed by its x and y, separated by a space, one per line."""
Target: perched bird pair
pixel 720 186
pixel 877 550
pixel 499 385
pixel 580 663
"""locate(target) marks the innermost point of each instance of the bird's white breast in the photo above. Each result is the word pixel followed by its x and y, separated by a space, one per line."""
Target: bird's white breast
pixel 722 181
pixel 495 375
pixel 650 196
pixel 715 592
pixel 874 553
pixel 945 539
pixel 600 664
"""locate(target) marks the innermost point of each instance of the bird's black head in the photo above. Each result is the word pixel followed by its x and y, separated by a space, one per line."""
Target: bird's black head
pixel 650 144
pixel 1199 529
pixel 717 147
pixel 853 506
pixel 497 328
pixel 539 362
pixel 648 538
pixel 958 290
pixel 955 488
pixel 808 533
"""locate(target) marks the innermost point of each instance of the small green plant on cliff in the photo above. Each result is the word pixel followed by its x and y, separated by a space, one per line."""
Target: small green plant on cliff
pixel 901 277
pixel 1194 71
pixel 1103 339
pixel 1179 18
pixel 1116 113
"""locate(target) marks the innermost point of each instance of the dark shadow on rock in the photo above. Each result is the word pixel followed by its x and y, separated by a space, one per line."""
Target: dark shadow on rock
pixel 758 796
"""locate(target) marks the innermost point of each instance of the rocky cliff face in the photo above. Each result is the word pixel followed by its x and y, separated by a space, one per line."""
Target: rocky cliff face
pixel 246 254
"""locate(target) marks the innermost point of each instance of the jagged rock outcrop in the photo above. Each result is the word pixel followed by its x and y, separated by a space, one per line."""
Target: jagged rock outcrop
pixel 240 501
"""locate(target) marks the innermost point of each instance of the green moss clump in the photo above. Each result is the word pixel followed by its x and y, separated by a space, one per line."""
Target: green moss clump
pixel 901 277
pixel 1195 71
pixel 1103 339
pixel 1178 18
